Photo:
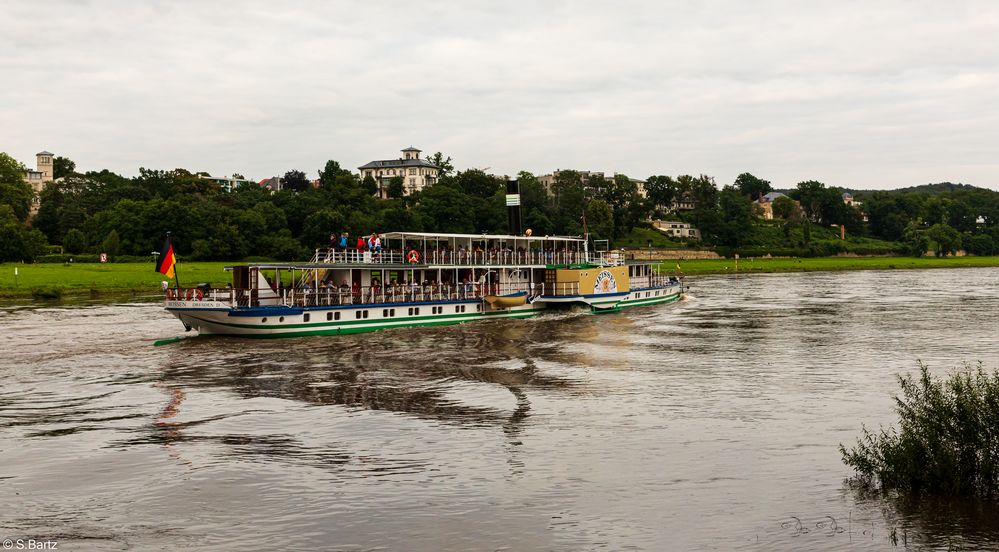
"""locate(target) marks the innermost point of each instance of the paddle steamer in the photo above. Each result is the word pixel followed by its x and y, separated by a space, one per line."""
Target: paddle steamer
pixel 421 279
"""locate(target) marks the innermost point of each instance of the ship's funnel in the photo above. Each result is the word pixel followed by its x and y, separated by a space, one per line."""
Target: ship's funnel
pixel 513 207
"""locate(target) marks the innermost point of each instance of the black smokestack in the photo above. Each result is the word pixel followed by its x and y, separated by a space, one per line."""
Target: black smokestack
pixel 513 207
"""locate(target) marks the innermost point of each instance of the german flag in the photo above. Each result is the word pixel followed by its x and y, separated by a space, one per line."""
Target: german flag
pixel 164 265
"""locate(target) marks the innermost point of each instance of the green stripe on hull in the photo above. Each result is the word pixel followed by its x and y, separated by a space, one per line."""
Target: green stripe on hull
pixel 640 303
pixel 355 327
pixel 649 301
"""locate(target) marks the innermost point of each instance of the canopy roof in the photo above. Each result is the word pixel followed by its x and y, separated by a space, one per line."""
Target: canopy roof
pixel 474 237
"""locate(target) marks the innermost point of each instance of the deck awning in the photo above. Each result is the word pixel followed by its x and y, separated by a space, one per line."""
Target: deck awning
pixel 442 237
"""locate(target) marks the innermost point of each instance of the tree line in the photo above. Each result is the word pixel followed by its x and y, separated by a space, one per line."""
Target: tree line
pixel 100 211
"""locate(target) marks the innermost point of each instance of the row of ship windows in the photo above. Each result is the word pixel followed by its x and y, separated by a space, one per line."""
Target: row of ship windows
pixel 386 313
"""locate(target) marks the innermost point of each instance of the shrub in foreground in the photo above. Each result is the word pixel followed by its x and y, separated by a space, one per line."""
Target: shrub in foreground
pixel 947 442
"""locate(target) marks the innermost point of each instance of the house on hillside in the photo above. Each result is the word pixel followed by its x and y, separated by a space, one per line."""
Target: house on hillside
pixel 848 200
pixel 764 206
pixel 227 183
pixel 416 173
pixel 677 229
pixel 593 180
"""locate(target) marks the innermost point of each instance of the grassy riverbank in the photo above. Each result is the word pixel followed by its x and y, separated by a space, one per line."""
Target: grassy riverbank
pixel 140 279
pixel 761 265
pixel 111 278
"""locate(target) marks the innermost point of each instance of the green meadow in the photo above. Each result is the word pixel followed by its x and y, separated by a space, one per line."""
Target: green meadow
pixel 805 264
pixel 53 280
pixel 137 278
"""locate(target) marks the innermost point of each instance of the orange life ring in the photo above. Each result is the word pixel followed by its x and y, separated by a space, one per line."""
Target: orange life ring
pixel 199 295
pixel 190 294
pixel 413 256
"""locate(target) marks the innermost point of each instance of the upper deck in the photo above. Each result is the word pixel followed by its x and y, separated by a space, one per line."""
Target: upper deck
pixel 426 250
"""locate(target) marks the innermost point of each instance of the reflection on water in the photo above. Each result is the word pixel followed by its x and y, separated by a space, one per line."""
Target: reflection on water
pixel 708 424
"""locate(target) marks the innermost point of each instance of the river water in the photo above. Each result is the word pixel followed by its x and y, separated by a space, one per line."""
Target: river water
pixel 710 424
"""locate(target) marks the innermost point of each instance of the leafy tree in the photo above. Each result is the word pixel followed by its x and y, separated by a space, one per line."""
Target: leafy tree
pixel 946 238
pixel 319 225
pixel 63 167
pixel 961 214
pixel 274 218
pixel 370 185
pixel 704 193
pixel 329 174
pixel 936 210
pixel 111 244
pixel 226 243
pixel 14 191
pixel 282 246
pixel 569 201
pixel 621 194
pixel 295 180
pixel 477 183
pixel 979 244
pixel 442 162
pixel 752 187
pixel 534 203
pixel 812 196
pixel 443 210
pixel 784 208
pixel 915 239
pixel 736 217
pixel 395 188
pixel 599 220
pixel 74 241
pixel 18 243
pixel 662 191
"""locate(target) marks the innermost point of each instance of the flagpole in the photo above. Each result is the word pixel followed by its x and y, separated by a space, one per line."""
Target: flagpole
pixel 176 277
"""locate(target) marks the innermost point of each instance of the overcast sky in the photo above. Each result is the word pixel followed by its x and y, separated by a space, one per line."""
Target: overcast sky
pixel 854 94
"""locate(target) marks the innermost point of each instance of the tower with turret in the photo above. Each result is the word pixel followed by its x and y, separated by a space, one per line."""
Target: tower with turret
pixel 42 175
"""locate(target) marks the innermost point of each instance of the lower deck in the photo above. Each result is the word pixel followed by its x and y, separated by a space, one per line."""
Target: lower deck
pixel 286 321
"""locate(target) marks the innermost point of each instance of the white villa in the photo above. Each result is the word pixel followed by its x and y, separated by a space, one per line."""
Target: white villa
pixel 677 229
pixel 416 173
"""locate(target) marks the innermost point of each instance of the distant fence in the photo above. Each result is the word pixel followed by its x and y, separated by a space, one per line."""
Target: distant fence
pixel 669 254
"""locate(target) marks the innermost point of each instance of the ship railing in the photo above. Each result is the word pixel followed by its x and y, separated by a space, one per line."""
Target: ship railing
pixel 607 258
pixel 458 257
pixel 228 296
pixel 654 281
pixel 354 256
pixel 362 295
pixel 402 293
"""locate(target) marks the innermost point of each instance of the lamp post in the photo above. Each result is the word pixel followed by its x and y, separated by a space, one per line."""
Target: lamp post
pixel 650 250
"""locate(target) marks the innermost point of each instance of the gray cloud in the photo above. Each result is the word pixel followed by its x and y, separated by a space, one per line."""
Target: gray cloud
pixel 857 95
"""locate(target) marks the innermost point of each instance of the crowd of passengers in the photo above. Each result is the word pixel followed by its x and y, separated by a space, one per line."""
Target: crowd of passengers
pixel 478 251
pixel 328 292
